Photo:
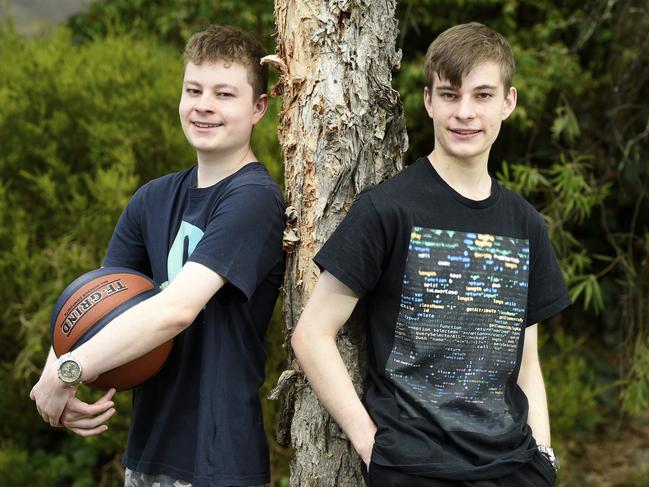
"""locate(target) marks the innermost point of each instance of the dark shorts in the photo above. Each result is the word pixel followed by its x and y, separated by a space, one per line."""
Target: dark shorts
pixel 539 472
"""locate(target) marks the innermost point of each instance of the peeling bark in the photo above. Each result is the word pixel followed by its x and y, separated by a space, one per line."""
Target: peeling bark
pixel 341 130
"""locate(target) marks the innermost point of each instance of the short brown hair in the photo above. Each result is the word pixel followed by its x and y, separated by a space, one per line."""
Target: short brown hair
pixel 456 51
pixel 229 44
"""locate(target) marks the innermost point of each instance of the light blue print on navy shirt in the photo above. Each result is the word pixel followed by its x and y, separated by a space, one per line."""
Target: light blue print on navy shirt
pixel 184 244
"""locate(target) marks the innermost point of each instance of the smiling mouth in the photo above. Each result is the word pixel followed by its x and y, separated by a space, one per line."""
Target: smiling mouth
pixel 465 131
pixel 202 125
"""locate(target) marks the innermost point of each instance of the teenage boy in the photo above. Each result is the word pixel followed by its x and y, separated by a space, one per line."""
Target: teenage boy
pixel 211 236
pixel 456 272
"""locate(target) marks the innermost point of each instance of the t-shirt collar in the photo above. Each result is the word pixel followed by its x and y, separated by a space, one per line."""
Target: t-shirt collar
pixel 468 202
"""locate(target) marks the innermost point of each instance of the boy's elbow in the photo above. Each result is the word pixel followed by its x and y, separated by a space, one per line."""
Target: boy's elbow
pixel 297 340
pixel 176 311
pixel 301 340
pixel 179 318
pixel 310 337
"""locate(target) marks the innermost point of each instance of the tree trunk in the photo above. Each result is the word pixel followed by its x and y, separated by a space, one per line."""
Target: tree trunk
pixel 341 130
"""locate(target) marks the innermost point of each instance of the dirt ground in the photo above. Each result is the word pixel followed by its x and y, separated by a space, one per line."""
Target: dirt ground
pixel 618 457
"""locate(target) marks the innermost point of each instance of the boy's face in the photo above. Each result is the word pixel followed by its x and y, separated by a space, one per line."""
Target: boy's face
pixel 467 119
pixel 217 108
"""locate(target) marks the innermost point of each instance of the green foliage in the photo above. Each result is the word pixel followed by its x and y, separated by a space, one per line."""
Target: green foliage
pixel 33 453
pixel 265 144
pixel 80 127
pixel 571 387
pixel 569 198
pixel 565 124
pixel 635 397
pixel 171 21
pixel 275 364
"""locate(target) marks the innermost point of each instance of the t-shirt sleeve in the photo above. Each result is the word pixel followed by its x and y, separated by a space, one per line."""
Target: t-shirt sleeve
pixel 243 238
pixel 355 252
pixel 547 293
pixel 127 247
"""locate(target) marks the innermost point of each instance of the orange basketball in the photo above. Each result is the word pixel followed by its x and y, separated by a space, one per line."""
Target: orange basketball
pixel 89 304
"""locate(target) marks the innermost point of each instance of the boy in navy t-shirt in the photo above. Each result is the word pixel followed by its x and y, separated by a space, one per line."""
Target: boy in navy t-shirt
pixel 456 272
pixel 211 236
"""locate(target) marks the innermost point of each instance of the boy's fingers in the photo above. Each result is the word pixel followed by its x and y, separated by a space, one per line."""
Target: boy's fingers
pixel 85 432
pixel 88 423
pixel 82 408
pixel 76 404
pixel 109 395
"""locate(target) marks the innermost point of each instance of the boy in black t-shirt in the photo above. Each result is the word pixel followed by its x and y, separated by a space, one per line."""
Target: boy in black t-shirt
pixel 456 272
pixel 211 236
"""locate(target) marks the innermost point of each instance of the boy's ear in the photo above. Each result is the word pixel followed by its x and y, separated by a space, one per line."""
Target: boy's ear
pixel 260 108
pixel 428 101
pixel 510 102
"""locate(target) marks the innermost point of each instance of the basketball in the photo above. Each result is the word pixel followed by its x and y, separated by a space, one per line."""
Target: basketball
pixel 89 304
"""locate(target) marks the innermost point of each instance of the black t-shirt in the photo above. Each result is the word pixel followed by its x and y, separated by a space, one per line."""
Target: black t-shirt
pixel 200 419
pixel 450 285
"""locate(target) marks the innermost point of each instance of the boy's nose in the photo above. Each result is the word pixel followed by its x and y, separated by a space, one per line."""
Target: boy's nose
pixel 465 109
pixel 205 104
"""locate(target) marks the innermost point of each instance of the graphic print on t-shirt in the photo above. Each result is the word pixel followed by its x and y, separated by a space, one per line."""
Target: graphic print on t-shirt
pixel 184 244
pixel 462 310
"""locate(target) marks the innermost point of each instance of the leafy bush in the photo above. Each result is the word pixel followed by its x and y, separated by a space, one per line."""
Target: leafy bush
pixel 172 21
pixel 571 387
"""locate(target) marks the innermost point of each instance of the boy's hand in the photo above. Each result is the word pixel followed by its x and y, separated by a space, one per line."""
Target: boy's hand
pixel 88 419
pixel 51 395
pixel 365 450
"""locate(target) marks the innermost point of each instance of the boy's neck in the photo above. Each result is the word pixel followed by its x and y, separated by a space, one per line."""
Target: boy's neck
pixel 212 169
pixel 469 177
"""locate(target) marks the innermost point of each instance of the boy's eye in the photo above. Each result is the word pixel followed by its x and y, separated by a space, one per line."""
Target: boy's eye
pixel 224 94
pixel 484 96
pixel 448 96
pixel 192 91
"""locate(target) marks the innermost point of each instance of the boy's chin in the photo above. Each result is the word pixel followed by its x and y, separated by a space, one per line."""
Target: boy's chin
pixel 206 145
pixel 467 151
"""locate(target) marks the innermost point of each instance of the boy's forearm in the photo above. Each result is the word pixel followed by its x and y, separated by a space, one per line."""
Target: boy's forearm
pixel 530 379
pixel 129 336
pixel 323 366
pixel 149 323
pixel 538 418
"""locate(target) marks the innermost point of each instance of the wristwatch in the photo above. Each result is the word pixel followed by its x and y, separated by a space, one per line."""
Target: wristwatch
pixel 69 370
pixel 548 452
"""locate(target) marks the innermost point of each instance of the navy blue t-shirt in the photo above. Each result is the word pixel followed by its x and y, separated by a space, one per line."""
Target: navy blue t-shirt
pixel 450 285
pixel 200 419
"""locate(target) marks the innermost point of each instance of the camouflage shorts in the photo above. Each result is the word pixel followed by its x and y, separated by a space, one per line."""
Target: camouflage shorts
pixel 137 479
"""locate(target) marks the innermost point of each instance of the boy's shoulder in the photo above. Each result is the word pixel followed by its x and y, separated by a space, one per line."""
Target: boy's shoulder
pixel 253 174
pixel 252 182
pixel 519 205
pixel 414 182
pixel 163 183
pixel 397 185
pixel 160 188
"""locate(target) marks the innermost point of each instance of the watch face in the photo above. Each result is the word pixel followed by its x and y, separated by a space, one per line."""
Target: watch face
pixel 70 371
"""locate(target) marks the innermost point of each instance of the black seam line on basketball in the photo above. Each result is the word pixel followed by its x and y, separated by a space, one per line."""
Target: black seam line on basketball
pixel 81 281
pixel 108 317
